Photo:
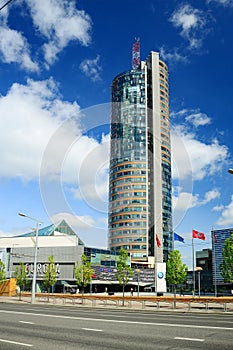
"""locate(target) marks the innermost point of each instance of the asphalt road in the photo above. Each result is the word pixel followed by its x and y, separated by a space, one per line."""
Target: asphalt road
pixel 50 327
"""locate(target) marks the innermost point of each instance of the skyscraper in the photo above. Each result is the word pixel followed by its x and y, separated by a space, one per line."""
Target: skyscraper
pixel 218 240
pixel 140 210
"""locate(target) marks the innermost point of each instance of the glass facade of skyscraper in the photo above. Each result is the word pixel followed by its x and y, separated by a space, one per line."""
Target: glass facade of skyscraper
pixel 218 240
pixel 140 164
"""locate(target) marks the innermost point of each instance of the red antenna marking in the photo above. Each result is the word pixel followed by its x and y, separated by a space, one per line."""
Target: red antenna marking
pixel 136 54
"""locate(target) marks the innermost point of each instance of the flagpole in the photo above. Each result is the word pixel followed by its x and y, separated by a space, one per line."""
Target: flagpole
pixel 193 267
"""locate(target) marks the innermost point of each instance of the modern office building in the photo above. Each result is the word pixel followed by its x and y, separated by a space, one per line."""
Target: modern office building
pixel 204 259
pixel 218 240
pixel 140 208
pixel 204 270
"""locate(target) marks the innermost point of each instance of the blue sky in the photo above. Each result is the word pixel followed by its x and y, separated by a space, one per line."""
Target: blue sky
pixel 57 61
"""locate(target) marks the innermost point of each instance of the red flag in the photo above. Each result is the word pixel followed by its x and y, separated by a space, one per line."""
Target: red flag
pixel 215 238
pixel 199 235
pixel 158 241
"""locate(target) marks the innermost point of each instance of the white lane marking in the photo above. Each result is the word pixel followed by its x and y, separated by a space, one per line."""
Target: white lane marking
pixel 27 322
pixel 15 342
pixel 92 329
pixel 191 339
pixel 118 321
pixel 202 316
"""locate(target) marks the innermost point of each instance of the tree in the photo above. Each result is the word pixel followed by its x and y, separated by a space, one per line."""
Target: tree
pixel 20 275
pixel 2 271
pixel 176 271
pixel 83 272
pixel 226 267
pixel 49 278
pixel 124 271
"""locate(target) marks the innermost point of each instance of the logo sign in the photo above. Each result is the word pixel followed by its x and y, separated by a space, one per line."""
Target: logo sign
pixel 40 269
pixel 160 274
pixel 161 277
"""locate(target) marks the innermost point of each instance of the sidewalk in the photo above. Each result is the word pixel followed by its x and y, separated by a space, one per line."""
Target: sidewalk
pixel 102 300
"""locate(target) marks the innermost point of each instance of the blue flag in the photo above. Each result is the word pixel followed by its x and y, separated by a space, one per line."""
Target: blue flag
pixel 178 238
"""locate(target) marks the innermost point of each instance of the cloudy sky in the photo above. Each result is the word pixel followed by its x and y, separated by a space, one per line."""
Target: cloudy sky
pixel 57 61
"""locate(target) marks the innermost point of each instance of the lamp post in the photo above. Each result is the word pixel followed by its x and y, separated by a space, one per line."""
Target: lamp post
pixel 199 269
pixel 35 255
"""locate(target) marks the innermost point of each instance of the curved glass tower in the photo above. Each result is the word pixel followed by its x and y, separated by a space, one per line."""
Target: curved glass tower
pixel 140 163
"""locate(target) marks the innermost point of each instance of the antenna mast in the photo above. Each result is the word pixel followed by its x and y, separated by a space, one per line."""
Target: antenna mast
pixel 136 54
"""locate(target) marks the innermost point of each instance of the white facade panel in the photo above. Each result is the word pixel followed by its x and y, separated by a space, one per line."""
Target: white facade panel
pixel 161 278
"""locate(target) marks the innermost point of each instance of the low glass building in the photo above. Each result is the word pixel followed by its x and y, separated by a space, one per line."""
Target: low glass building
pixel 61 242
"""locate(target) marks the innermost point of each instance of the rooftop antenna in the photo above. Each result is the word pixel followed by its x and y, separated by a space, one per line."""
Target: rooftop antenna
pixel 136 54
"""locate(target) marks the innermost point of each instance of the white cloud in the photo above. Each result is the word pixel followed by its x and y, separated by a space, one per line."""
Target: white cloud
pixel 30 114
pixel 172 57
pixel 14 49
pixel 226 218
pixel 86 166
pixel 222 2
pixel 186 17
pixel 193 158
pixel 192 22
pixel 86 227
pixel 60 23
pixel 198 119
pixel 91 68
pixel 4 15
pixel 210 195
pixel 181 113
pixel 193 116
pixel 218 208
pixel 184 201
pixel 80 222
pixel 82 171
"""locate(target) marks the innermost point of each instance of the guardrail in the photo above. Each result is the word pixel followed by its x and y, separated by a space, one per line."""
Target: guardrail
pixel 183 303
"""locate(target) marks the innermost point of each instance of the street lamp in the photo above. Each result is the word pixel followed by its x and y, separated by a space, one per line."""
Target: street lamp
pixel 230 171
pixel 35 255
pixel 199 269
